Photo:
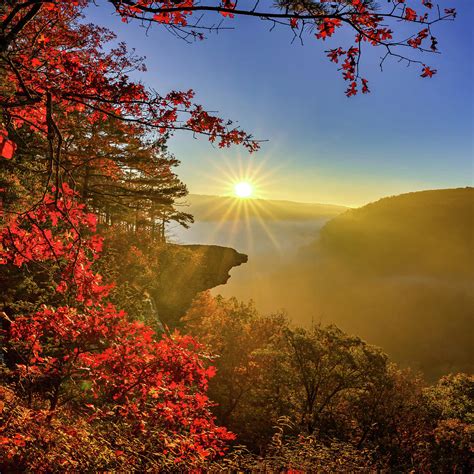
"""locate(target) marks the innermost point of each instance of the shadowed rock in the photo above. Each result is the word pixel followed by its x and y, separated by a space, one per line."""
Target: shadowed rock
pixel 186 271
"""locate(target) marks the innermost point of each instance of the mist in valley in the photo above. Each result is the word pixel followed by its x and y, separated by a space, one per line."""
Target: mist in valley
pixel 397 273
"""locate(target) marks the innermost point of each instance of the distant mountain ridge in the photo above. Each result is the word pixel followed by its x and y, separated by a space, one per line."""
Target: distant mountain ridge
pixel 398 272
pixel 207 208
pixel 425 232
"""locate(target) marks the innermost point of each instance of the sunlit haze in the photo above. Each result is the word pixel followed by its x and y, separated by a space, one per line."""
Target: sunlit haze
pixel 320 146
pixel 243 189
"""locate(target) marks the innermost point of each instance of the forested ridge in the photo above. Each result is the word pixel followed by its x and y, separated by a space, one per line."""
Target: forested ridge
pixel 396 272
pixel 424 233
pixel 412 255
pixel 213 208
pixel 111 356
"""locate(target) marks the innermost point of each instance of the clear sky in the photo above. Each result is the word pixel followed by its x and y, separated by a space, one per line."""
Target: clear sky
pixel 408 134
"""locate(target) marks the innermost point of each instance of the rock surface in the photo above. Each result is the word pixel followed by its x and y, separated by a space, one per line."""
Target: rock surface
pixel 186 271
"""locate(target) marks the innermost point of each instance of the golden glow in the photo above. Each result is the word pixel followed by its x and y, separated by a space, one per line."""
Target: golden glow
pixel 243 189
pixel 244 183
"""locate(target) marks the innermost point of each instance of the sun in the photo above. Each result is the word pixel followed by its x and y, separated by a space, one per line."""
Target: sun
pixel 243 189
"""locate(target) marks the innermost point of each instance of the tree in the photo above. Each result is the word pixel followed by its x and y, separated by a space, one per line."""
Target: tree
pixel 123 175
pixel 266 370
pixel 330 366
pixel 82 358
pixel 252 387
pixel 453 397
pixel 451 401
pixel 53 63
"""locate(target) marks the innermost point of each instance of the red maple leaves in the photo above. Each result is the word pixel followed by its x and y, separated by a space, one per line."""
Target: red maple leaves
pixel 349 69
pixel 153 387
pixel 74 66
pixel 370 29
pixel 418 39
pixel 7 147
pixel 428 72
pixel 53 232
pixel 410 14
pixel 327 27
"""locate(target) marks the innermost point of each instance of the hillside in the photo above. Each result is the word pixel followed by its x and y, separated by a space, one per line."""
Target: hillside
pixel 215 208
pixel 266 230
pixel 429 233
pixel 397 272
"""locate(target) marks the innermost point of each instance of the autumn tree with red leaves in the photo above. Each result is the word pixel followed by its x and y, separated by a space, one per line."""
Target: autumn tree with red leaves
pixel 137 397
pixel 84 359
pixel 53 64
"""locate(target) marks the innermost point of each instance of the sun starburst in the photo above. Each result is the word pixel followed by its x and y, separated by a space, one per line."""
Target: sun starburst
pixel 243 189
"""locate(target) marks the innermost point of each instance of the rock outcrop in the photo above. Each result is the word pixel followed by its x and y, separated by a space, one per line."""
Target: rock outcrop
pixel 186 270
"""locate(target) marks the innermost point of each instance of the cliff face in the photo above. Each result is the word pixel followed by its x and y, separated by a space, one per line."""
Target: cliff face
pixel 186 270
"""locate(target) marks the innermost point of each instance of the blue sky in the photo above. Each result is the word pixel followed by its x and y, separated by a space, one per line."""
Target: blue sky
pixel 408 134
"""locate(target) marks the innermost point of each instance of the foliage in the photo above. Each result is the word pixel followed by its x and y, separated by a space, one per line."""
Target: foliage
pixel 332 389
pixel 267 370
pixel 453 397
pixel 122 175
pixel 299 454
pixel 452 401
pixel 248 381
pixel 52 231
pixel 136 404
pixel 83 385
pixel 88 360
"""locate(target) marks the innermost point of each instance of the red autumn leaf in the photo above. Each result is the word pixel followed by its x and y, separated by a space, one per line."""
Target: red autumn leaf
pixel 365 86
pixel 327 27
pixel 352 89
pixel 7 149
pixel 410 14
pixel 428 72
